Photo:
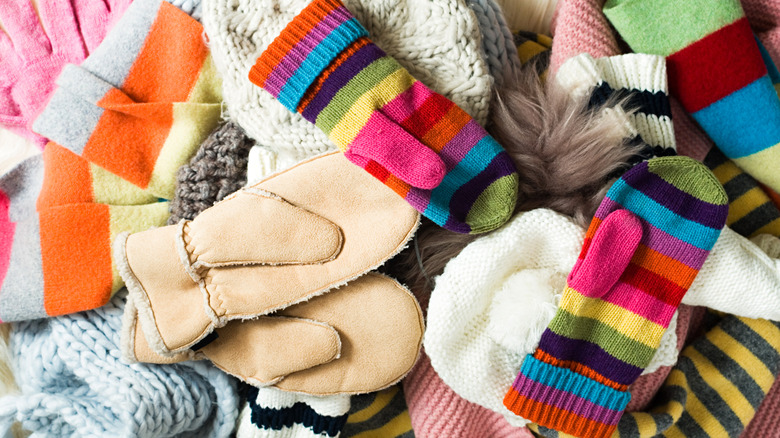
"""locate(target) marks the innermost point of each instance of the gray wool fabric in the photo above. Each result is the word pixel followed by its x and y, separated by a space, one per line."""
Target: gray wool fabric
pixel 217 170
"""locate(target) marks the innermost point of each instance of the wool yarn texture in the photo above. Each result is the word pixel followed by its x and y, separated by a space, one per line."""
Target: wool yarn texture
pixel 717 72
pixel 150 86
pixel 579 26
pixel 489 308
pixel 273 413
pixel 418 143
pixel 638 81
pixel 643 249
pixel 437 41
pixel 498 46
pixel 218 169
pixel 73 383
pixel 38 41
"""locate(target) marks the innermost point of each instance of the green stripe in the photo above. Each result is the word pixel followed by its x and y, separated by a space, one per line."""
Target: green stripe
pixel 691 177
pixel 662 27
pixel 363 82
pixel 612 341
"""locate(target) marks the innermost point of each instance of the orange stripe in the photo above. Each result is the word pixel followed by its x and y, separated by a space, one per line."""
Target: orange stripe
pixel 446 128
pixel 555 418
pixel 773 195
pixel 129 136
pixel 292 34
pixel 397 185
pixel 579 369
pixel 76 256
pixel 67 178
pixel 317 85
pixel 665 266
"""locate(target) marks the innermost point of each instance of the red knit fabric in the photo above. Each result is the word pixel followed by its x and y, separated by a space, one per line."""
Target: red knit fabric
pixel 437 411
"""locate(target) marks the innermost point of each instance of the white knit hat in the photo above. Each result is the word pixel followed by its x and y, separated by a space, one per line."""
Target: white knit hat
pixel 490 306
pixel 438 41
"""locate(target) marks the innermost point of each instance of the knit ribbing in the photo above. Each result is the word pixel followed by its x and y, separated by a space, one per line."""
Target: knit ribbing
pixel 581 27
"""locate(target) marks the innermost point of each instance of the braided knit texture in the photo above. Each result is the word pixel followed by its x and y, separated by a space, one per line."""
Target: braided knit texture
pixel 73 383
pixel 218 169
pixel 498 46
pixel 436 40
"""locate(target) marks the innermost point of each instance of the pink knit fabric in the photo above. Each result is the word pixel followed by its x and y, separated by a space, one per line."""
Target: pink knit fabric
pixel 767 420
pixel 437 411
pixel 764 18
pixel 579 26
pixel 691 140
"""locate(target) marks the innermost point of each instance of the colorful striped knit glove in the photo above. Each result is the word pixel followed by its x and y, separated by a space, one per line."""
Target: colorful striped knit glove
pixel 715 70
pixel 650 237
pixel 417 142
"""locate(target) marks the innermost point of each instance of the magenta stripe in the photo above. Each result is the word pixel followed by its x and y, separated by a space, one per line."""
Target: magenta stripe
pixel 418 198
pixel 638 302
pixel 565 401
pixel 406 103
pixel 660 240
pixel 285 69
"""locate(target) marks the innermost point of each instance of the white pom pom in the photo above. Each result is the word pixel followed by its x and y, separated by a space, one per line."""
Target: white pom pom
pixel 522 308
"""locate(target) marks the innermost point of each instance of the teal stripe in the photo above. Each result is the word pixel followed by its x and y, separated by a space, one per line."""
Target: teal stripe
pixel 566 380
pixel 317 60
pixel 475 161
pixel 662 218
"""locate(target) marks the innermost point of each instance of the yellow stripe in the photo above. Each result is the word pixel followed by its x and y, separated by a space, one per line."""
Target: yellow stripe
pixel 723 386
pixel 704 417
pixel 353 120
pixel 772 228
pixel 745 204
pixel 777 89
pixel 208 87
pixel 645 423
pixel 765 329
pixel 624 321
pixel 742 356
pixel 111 189
pixel 529 49
pixel 381 400
pixel 726 172
pixel 762 166
pixel 399 425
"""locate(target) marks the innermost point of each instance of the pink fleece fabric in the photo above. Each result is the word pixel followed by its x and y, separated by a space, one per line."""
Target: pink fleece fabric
pixel 437 411
pixel 764 18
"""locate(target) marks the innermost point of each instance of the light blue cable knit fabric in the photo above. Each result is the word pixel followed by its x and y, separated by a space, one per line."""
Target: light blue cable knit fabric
pixel 73 383
pixel 498 44
pixel 191 7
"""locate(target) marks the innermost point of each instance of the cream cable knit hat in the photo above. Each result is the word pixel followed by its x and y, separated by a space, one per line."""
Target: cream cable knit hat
pixel 477 338
pixel 438 41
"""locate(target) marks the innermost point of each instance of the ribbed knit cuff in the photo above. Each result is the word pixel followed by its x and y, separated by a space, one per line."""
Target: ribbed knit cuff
pixel 563 400
pixel 306 46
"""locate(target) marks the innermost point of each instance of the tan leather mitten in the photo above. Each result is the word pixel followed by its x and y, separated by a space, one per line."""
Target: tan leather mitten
pixel 284 240
pixel 360 338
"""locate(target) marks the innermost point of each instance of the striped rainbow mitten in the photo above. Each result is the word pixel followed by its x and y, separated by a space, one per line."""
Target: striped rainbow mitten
pixel 419 143
pixel 647 242
pixel 715 69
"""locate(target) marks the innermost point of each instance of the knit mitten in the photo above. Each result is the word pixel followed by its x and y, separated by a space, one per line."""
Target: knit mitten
pixel 415 141
pixel 273 413
pixel 150 87
pixel 638 81
pixel 650 237
pixel 716 71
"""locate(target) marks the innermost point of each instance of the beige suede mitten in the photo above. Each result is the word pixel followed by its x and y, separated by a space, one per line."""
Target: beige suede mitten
pixel 360 338
pixel 284 240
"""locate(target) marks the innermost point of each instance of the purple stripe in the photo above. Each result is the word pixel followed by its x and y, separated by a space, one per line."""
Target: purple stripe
pixel 340 77
pixel 463 198
pixel 295 56
pixel 418 198
pixel 456 149
pixel 660 240
pixel 590 355
pixel 675 199
pixel 565 401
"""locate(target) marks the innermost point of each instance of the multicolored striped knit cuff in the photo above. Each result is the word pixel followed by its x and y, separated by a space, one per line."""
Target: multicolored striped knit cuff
pixel 716 70
pixel 564 400
pixel 306 46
